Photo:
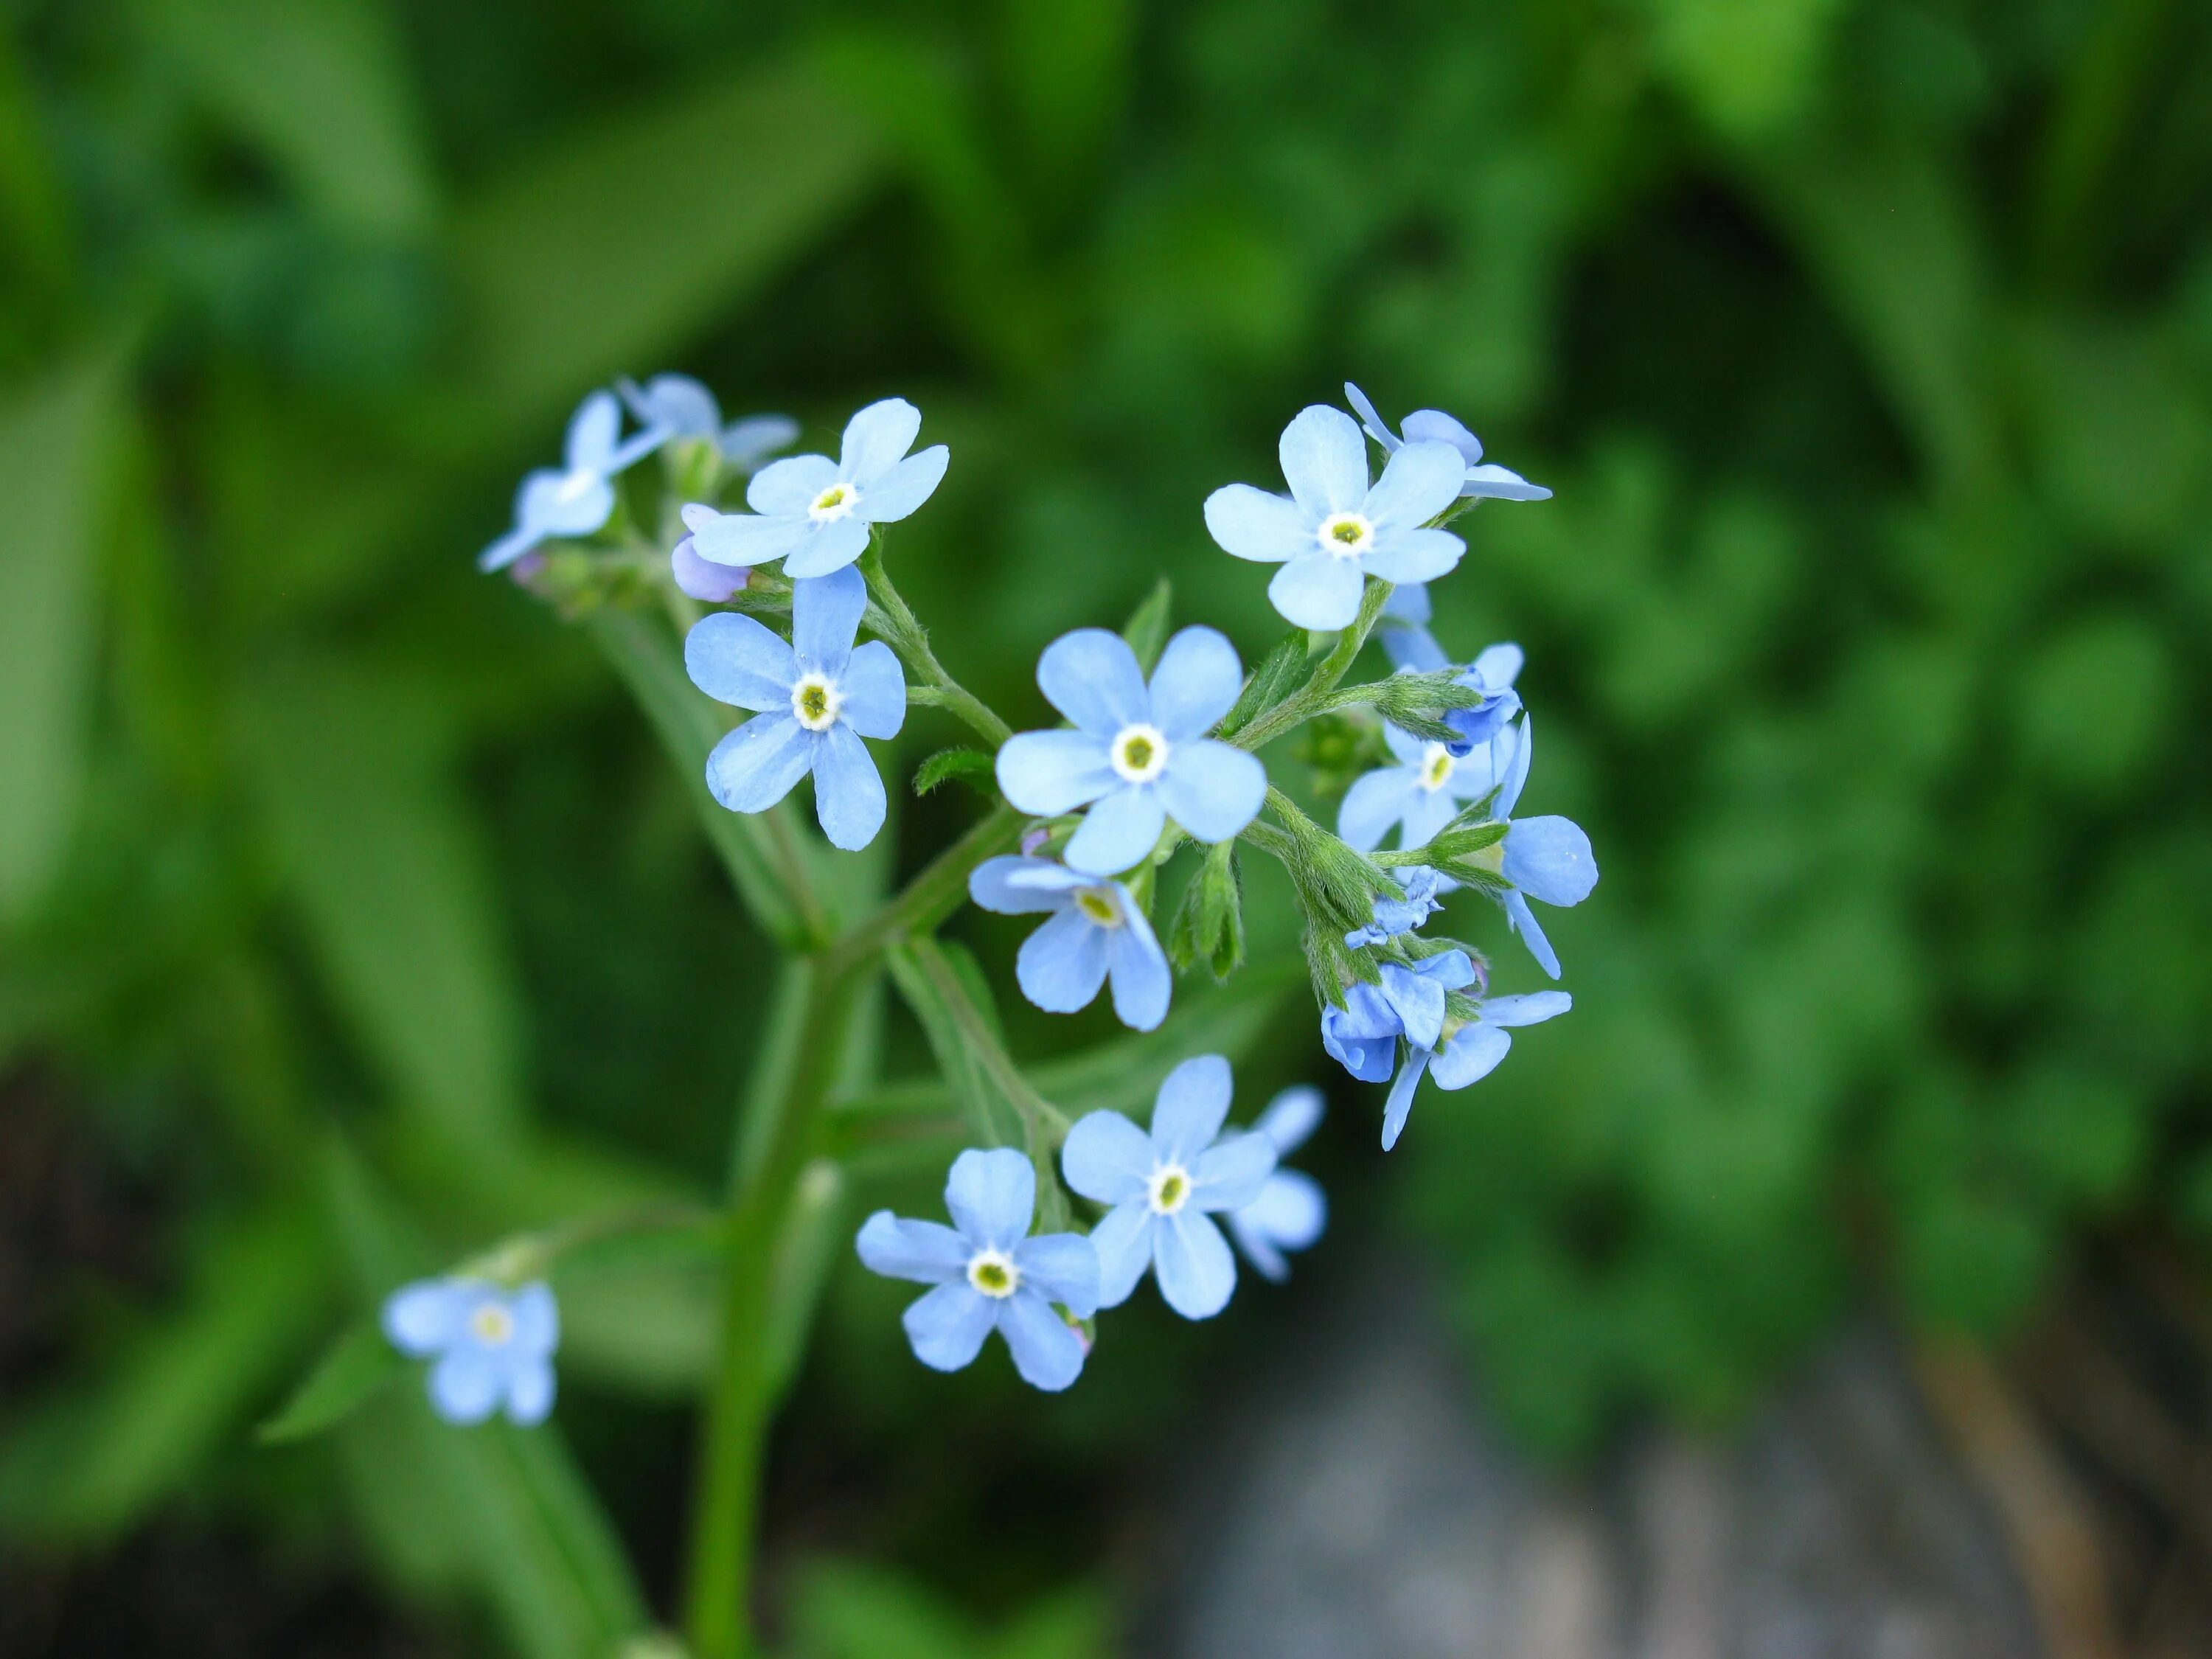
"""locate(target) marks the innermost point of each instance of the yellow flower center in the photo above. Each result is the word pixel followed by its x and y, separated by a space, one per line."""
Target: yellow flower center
pixel 1346 535
pixel 1102 904
pixel 492 1324
pixel 993 1273
pixel 1170 1189
pixel 833 503
pixel 816 702
pixel 1139 753
pixel 1436 767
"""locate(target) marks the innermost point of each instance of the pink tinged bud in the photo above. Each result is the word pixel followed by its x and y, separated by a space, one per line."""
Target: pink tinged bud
pixel 1035 838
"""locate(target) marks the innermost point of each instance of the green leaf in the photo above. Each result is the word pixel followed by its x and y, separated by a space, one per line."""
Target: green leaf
pixel 1147 630
pixel 52 443
pixel 1280 673
pixel 969 763
pixel 813 1241
pixel 356 1365
pixel 966 1080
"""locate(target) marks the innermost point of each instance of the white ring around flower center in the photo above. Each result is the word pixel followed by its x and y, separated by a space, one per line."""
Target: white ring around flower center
pixel 815 702
pixel 1346 535
pixel 1168 1190
pixel 834 502
pixel 573 486
pixel 1436 765
pixel 993 1273
pixel 1101 905
pixel 492 1324
pixel 1139 753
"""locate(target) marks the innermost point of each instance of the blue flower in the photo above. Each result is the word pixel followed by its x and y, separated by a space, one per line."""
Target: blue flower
pixel 1492 674
pixel 1098 932
pixel 1137 752
pixel 1482 482
pixel 576 498
pixel 816 698
pixel 1547 858
pixel 677 406
pixel 1420 794
pixel 1162 1188
pixel 1403 630
pixel 494 1348
pixel 1334 530
pixel 813 512
pixel 703 579
pixel 1396 916
pixel 1291 1210
pixel 1470 1051
pixel 989 1273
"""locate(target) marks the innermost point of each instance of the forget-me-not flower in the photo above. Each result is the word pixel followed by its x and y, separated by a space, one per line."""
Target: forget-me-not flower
pixel 1393 916
pixel 1420 794
pixel 1291 1210
pixel 1139 753
pixel 1162 1187
pixel 816 698
pixel 574 498
pixel 493 1346
pixel 1098 933
pixel 1334 530
pixel 1483 481
pixel 989 1273
pixel 1548 859
pixel 1492 674
pixel 813 512
pixel 1403 630
pixel 679 407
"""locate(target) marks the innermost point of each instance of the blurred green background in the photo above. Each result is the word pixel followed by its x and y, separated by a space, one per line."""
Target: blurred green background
pixel 349 919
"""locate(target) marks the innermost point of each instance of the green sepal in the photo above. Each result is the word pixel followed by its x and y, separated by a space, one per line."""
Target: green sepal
pixel 966 764
pixel 1209 923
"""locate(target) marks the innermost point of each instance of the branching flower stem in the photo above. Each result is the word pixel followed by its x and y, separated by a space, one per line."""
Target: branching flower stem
pixel 1312 698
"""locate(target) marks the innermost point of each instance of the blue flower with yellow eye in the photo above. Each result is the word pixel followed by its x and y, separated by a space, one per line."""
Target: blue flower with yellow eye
pixel 576 498
pixel 1098 933
pixel 493 1346
pixel 1291 1210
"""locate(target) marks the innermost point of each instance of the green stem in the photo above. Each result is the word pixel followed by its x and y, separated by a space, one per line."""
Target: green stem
pixel 1313 696
pixel 895 621
pixel 1039 1115
pixel 934 893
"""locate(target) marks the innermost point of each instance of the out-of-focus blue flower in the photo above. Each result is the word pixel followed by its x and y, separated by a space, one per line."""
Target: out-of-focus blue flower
pixel 1137 755
pixel 1291 1210
pixel 703 579
pixel 989 1273
pixel 816 698
pixel 1420 794
pixel 1400 915
pixel 677 406
pixel 1097 932
pixel 576 498
pixel 1333 531
pixel 1163 1186
pixel 1548 859
pixel 1469 1051
pixel 1403 630
pixel 813 512
pixel 494 1348
pixel 1492 674
pixel 1483 481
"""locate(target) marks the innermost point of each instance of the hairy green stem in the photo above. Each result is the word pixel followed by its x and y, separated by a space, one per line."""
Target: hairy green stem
pixel 935 891
pixel 1039 1115
pixel 889 615
pixel 1313 696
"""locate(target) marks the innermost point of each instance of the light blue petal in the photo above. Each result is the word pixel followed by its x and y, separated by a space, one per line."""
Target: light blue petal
pixel 1324 462
pixel 703 579
pixel 990 884
pixel 1472 1055
pixel 1291 1117
pixel 928 1252
pixel 1191 1106
pixel 1418 1002
pixel 875 691
pixel 1400 1100
pixel 1139 969
pixel 529 1390
pixel 675 403
pixel 743 538
pixel 555 504
pixel 991 1196
pixel 1427 812
pixel 1252 524
pixel 466 1383
pixel 1413 555
pixel 1045 1351
pixel 1091 677
pixel 1378 429
pixel 788 486
pixel 832 546
pixel 747 442
pixel 825 619
pixel 1499 483
pixel 899 492
pixel 1120 830
pixel 593 430
pixel 1373 804
pixel 1550 858
pixel 1049 773
pixel 1197 1272
pixel 1290 1209
pixel 849 791
pixel 1123 1241
pixel 1498 667
pixel 1258 1248
pixel 1062 1267
pixel 1421 480
pixel 1062 964
pixel 1409 645
pixel 421 1318
pixel 1107 1158
pixel 1195 684
pixel 947 1326
pixel 738 660
pixel 1408 603
pixel 1362 1036
pixel 1211 789
pixel 1433 426
pixel 1230 1173
pixel 876 438
pixel 507 549
pixel 1521 749
pixel 1523 921
pixel 1449 969
pixel 537 1319
pixel 1316 590
pixel 1406 749
pixel 756 766
pixel 1526 1008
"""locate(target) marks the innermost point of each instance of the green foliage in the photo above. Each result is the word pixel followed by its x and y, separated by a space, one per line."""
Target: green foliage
pixel 969 765
pixel 349 1372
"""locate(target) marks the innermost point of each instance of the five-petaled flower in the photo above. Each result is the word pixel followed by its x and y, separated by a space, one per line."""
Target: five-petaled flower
pixel 1334 530
pixel 1393 916
pixel 1098 932
pixel 1290 1211
pixel 1420 794
pixel 814 514
pixel 679 407
pixel 1548 859
pixel 1492 674
pixel 1162 1186
pixel 1138 754
pixel 989 1273
pixel 493 1346
pixel 574 498
pixel 1483 481
pixel 816 698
